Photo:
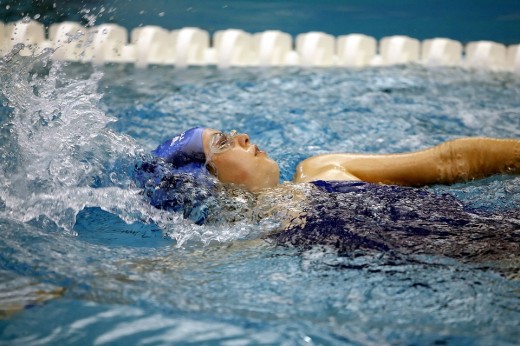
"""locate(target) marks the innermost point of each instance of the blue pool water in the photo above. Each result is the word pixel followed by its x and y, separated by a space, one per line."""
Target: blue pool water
pixel 85 260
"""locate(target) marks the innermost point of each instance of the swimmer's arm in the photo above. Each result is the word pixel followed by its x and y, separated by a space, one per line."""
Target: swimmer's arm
pixel 458 160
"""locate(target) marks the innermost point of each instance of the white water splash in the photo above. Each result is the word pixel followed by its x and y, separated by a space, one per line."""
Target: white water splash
pixel 59 156
pixel 60 145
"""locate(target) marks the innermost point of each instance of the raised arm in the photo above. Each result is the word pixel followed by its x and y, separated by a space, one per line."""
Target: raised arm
pixel 453 161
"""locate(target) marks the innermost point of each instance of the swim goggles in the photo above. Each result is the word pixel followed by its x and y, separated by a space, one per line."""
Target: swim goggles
pixel 221 142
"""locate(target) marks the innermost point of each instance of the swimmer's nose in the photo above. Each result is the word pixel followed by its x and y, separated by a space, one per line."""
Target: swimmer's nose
pixel 242 139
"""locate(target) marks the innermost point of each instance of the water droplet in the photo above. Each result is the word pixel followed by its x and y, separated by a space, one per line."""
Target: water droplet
pixel 36 16
pixel 7 7
pixel 161 14
pixel 26 19
pixel 141 12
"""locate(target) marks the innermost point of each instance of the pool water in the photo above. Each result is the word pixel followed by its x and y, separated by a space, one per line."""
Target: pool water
pixel 85 260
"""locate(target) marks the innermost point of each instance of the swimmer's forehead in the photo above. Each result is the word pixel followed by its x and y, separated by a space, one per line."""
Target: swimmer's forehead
pixel 210 132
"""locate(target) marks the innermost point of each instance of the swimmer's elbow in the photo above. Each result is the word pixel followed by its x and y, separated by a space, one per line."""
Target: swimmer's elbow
pixel 472 158
pixel 453 162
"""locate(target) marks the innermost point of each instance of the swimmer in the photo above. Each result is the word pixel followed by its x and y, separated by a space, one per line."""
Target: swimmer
pixel 350 202
pixel 233 158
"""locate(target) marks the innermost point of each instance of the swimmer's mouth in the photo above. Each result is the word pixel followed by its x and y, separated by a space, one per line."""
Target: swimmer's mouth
pixel 258 151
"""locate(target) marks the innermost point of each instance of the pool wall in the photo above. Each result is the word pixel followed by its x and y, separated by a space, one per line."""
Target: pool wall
pixel 109 43
pixel 462 20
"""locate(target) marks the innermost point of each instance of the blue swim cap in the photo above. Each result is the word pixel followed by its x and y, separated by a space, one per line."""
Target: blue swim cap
pixel 176 178
pixel 184 150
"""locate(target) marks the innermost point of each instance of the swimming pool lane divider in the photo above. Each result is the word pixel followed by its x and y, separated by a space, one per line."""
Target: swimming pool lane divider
pixel 153 45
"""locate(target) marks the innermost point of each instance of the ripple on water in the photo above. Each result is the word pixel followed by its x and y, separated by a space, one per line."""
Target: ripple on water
pixel 71 133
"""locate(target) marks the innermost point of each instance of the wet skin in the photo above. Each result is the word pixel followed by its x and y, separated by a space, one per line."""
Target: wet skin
pixel 453 161
pixel 241 163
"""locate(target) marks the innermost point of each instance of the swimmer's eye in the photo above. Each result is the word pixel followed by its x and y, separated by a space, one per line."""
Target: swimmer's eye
pixel 222 142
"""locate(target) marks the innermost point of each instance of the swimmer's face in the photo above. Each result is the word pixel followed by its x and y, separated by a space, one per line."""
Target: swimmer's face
pixel 235 160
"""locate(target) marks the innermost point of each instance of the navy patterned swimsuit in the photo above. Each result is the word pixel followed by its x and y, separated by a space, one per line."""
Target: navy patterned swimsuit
pixel 353 216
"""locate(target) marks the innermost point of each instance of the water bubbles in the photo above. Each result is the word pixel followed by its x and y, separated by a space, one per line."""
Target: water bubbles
pixel 26 19
pixel 161 14
pixel 113 177
pixel 61 147
pixel 36 16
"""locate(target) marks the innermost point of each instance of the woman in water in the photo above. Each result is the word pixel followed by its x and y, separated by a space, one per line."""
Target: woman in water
pixel 348 201
pixel 234 159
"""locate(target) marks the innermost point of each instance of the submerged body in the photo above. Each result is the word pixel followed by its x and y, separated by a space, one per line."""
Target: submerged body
pixel 357 217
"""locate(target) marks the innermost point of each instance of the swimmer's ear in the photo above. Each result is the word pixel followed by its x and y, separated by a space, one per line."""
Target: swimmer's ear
pixel 211 168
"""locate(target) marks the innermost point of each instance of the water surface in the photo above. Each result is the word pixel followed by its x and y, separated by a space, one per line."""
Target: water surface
pixel 85 260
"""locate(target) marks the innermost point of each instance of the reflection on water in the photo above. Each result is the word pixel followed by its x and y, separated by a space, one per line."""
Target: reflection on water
pixel 87 260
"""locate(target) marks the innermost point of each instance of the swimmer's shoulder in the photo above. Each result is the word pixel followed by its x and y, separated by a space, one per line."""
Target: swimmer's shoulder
pixel 325 167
